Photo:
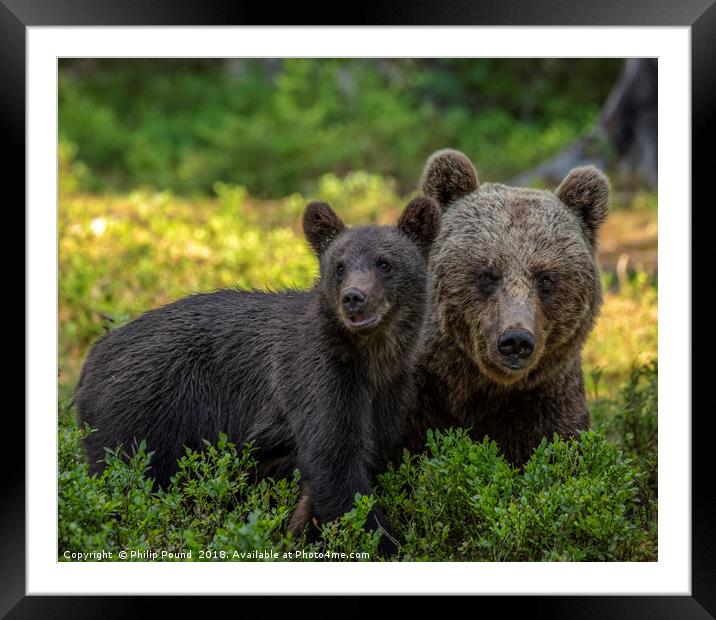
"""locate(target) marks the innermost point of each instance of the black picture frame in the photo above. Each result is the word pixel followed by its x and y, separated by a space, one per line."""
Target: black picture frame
pixel 17 15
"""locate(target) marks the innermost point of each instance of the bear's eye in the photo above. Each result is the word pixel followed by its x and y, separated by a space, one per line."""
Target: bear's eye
pixel 340 270
pixel 487 283
pixel 383 265
pixel 545 282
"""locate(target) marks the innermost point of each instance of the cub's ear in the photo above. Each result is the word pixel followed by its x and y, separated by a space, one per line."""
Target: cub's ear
pixel 586 191
pixel 321 225
pixel 447 176
pixel 420 221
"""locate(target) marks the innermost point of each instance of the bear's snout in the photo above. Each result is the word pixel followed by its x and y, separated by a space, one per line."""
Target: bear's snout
pixel 354 300
pixel 358 307
pixel 516 346
pixel 361 301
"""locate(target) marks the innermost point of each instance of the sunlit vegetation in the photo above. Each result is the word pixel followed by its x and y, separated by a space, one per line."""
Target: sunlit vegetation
pixel 180 182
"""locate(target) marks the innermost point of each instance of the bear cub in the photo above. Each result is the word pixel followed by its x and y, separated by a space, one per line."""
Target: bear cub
pixel 319 380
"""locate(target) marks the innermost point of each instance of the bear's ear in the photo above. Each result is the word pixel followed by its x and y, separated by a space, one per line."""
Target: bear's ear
pixel 585 190
pixel 447 176
pixel 420 221
pixel 321 225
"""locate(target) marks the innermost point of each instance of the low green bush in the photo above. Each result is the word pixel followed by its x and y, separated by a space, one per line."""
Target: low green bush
pixel 575 500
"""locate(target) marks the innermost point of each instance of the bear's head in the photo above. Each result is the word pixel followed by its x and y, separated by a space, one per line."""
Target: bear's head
pixel 370 275
pixel 514 280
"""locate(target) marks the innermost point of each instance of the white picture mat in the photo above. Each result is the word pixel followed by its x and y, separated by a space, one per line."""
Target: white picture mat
pixel 670 575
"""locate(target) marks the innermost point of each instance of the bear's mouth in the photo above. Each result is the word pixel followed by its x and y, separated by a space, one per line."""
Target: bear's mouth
pixel 515 365
pixel 360 320
pixel 505 373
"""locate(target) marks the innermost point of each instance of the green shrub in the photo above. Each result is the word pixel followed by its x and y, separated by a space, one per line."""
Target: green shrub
pixel 575 500
pixel 346 535
pixel 632 421
pixel 210 505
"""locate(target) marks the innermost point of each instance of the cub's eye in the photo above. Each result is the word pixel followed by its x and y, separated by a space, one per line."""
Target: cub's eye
pixel 545 282
pixel 340 270
pixel 383 265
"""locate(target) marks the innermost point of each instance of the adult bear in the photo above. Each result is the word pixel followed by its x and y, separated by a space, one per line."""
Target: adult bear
pixel 514 290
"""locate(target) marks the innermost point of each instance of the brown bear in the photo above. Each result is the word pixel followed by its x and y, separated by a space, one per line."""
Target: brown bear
pixel 316 379
pixel 514 290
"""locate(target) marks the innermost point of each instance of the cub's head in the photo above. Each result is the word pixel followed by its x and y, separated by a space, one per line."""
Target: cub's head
pixel 372 274
pixel 514 277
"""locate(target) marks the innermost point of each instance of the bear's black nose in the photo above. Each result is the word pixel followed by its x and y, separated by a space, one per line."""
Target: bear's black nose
pixel 516 343
pixel 353 300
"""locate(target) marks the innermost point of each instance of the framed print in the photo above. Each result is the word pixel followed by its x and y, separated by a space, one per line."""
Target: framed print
pixel 326 206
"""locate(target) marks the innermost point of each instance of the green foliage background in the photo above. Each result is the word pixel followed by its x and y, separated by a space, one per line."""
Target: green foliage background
pixel 179 177
pixel 277 126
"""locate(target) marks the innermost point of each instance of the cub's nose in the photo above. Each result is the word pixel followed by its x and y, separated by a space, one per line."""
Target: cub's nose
pixel 516 343
pixel 353 300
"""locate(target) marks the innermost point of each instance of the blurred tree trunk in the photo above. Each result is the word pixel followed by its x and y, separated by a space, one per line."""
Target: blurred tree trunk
pixel 624 140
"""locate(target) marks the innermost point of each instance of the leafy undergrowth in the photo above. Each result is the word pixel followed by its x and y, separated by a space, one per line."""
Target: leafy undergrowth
pixel 120 255
pixel 626 334
pixel 592 499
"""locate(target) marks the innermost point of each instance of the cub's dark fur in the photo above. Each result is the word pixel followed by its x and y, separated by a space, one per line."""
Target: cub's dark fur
pixel 316 380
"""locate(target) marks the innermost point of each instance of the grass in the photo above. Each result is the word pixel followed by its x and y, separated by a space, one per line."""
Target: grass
pixel 121 254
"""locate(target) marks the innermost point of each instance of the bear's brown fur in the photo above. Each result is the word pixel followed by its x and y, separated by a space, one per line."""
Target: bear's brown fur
pixel 508 262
